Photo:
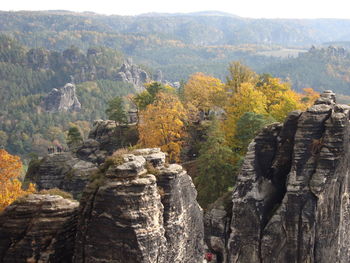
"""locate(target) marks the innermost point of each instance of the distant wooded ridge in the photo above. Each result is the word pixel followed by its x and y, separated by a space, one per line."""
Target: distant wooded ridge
pixel 200 28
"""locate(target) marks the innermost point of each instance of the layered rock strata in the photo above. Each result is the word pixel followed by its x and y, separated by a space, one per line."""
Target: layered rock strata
pixel 63 171
pixel 138 212
pixel 291 201
pixel 38 228
pixel 104 138
pixel 136 208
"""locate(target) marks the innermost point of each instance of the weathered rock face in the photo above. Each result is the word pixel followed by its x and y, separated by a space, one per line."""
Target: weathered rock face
pixel 291 201
pixel 104 138
pixel 63 171
pixel 217 220
pixel 135 209
pixel 133 74
pixel 62 99
pixel 38 228
pixel 134 216
pixel 71 172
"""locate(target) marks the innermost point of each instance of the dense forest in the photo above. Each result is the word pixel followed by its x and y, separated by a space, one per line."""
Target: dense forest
pixel 319 68
pixel 177 44
pixel 28 75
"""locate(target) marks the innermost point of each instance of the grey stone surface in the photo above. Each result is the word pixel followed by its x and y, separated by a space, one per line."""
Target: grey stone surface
pixel 63 171
pixel 38 228
pixel 133 74
pixel 133 216
pixel 291 201
pixel 62 99
pixel 105 137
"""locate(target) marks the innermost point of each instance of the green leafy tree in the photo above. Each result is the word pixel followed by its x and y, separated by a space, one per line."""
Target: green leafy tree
pixel 115 110
pixel 216 166
pixel 3 139
pixel 147 97
pixel 74 137
pixel 247 127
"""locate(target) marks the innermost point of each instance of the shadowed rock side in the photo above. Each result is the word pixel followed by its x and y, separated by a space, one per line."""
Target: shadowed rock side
pixel 104 138
pixel 291 201
pixel 38 228
pixel 130 215
pixel 63 171
pixel 217 220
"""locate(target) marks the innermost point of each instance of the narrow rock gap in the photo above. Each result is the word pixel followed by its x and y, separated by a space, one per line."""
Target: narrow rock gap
pixel 89 216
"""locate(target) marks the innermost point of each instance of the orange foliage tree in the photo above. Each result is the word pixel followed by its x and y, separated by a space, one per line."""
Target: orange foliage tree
pixel 10 186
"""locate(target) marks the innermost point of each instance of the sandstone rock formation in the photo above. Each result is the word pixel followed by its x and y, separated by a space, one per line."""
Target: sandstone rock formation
pixel 217 221
pixel 131 215
pixel 71 172
pixel 135 208
pixel 63 171
pixel 104 138
pixel 291 201
pixel 62 99
pixel 38 228
pixel 133 74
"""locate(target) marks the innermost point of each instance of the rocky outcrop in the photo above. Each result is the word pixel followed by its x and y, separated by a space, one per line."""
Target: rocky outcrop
pixel 62 99
pixel 138 212
pixel 106 137
pixel 291 201
pixel 135 208
pixel 132 74
pixel 63 171
pixel 71 172
pixel 38 228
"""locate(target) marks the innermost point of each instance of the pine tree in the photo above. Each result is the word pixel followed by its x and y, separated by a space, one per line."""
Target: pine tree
pixel 115 110
pixel 216 167
pixel 74 137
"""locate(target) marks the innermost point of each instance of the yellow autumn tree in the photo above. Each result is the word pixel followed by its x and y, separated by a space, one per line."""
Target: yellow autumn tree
pixel 246 99
pixel 308 97
pixel 239 74
pixel 162 124
pixel 281 99
pixel 10 186
pixel 204 92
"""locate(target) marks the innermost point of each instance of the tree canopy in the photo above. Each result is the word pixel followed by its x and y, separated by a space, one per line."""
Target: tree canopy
pixel 10 186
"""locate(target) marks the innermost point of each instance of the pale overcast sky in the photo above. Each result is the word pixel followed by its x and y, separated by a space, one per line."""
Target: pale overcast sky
pixel 244 8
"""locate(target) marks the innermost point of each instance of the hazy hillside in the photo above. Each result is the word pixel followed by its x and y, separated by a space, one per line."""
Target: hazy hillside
pixel 203 28
pixel 319 68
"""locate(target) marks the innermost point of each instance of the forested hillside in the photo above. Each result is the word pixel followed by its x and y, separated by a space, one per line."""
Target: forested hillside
pixel 178 44
pixel 28 75
pixel 319 68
